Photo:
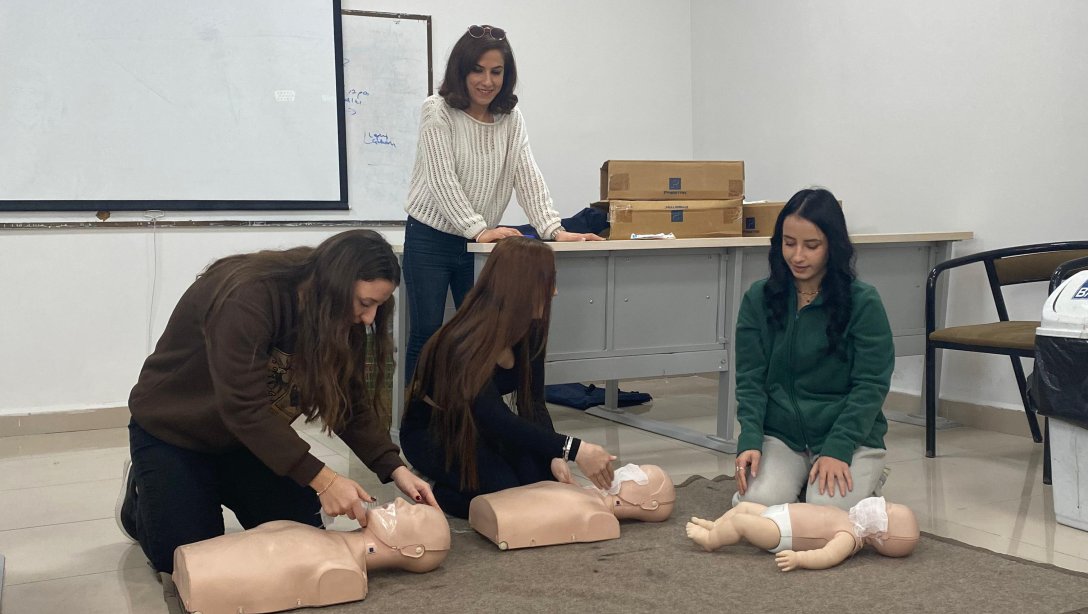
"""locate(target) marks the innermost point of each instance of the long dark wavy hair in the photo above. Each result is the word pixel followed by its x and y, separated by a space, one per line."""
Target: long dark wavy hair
pixel 509 307
pixel 466 52
pixel 329 363
pixel 820 207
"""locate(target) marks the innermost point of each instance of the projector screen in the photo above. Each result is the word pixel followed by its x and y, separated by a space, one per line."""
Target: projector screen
pixel 156 104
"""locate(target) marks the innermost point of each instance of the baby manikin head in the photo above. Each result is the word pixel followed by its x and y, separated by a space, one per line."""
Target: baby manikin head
pixel 405 536
pixel 902 534
pixel 651 502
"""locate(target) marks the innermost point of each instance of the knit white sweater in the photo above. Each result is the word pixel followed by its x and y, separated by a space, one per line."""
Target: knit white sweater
pixel 466 170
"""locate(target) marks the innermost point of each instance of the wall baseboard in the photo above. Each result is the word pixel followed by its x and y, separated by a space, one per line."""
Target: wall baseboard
pixel 984 417
pixel 65 421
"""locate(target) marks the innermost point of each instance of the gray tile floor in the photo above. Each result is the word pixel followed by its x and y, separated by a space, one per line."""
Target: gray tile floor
pixel 65 554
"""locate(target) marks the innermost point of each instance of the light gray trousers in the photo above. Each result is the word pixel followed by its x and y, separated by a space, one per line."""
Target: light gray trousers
pixel 783 473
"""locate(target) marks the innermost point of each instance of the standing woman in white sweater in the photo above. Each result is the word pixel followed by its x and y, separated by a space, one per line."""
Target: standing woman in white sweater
pixel 473 153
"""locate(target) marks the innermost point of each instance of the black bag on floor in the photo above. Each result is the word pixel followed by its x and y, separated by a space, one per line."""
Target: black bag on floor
pixel 581 396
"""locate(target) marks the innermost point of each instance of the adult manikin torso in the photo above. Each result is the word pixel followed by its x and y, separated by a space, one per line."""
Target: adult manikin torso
pixel 283 565
pixel 549 513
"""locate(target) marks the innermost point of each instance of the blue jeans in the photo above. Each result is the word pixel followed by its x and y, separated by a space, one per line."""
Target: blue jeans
pixel 434 261
pixel 180 493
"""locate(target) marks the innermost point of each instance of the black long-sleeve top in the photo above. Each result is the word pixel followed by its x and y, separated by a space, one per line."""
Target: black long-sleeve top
pixel 496 424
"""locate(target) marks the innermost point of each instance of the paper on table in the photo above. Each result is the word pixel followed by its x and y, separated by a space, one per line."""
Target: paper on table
pixel 660 235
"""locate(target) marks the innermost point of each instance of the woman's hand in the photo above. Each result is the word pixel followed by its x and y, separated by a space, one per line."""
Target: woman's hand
pixel 596 463
pixel 338 494
pixel 494 234
pixel 561 471
pixel 563 235
pixel 415 488
pixel 749 459
pixel 828 472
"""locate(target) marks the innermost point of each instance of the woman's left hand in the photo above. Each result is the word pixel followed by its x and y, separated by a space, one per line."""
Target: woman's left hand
pixel 827 472
pixel 417 490
pixel 563 235
pixel 561 471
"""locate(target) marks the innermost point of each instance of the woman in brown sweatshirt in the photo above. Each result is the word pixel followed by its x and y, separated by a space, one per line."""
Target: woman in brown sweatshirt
pixel 258 340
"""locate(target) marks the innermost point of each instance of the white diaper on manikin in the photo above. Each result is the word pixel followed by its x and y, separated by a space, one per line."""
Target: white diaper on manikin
pixel 780 514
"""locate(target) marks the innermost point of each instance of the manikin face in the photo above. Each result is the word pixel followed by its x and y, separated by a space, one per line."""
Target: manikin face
pixel 400 523
pixel 485 80
pixel 804 248
pixel 369 295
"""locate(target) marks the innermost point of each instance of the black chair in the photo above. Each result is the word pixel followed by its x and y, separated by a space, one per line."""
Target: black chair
pixel 1064 271
pixel 1012 338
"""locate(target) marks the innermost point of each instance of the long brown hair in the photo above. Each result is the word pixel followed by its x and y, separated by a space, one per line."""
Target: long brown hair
pixel 462 61
pixel 329 363
pixel 509 307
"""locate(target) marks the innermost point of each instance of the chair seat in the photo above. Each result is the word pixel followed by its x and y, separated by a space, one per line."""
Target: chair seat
pixel 1017 335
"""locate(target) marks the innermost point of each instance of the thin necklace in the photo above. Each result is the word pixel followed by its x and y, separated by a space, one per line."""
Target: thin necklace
pixel 803 293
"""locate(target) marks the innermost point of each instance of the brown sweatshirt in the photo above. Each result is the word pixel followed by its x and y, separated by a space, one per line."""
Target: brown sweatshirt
pixel 216 385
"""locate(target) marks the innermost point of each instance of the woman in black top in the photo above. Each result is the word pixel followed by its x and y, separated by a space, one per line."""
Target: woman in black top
pixel 457 429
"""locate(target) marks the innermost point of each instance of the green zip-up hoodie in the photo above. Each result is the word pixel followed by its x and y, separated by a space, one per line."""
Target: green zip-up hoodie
pixel 790 388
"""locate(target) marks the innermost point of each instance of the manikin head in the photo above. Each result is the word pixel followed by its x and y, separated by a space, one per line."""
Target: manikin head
pixel 651 502
pixel 405 536
pixel 902 534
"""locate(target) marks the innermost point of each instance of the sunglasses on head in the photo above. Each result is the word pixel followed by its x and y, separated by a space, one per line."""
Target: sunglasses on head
pixel 485 30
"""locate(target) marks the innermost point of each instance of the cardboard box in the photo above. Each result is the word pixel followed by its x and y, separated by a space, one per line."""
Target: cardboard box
pixel 686 219
pixel 690 180
pixel 759 218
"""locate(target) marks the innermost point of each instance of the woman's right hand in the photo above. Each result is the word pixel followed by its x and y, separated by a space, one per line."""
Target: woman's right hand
pixel 596 464
pixel 749 459
pixel 340 494
pixel 494 234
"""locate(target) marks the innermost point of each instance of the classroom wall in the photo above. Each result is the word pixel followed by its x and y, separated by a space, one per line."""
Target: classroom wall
pixel 80 308
pixel 927 115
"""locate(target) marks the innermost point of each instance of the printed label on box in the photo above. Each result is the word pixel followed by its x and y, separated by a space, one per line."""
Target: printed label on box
pixel 749 223
pixel 678 215
pixel 674 183
pixel 1082 293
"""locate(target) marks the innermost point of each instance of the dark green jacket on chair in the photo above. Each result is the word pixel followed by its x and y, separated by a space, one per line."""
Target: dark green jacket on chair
pixel 790 388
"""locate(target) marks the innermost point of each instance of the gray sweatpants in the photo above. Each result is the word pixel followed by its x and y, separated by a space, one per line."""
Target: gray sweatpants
pixel 783 473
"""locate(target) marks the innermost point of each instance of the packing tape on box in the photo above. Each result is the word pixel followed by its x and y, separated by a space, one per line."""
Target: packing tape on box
pixel 619 214
pixel 736 187
pixel 620 182
pixel 731 214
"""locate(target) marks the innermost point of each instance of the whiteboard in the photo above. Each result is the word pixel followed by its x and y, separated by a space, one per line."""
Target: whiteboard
pixel 387 76
pixel 159 104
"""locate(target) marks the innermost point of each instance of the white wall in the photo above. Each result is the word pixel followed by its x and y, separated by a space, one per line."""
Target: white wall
pixel 926 115
pixel 598 80
pixel 922 116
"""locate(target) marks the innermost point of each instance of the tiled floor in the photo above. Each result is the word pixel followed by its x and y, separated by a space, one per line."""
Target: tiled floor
pixel 65 554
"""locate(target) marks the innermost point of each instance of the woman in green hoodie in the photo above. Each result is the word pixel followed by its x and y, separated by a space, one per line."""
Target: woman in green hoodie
pixel 814 362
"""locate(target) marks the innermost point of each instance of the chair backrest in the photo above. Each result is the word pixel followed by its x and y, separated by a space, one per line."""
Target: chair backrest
pixel 1032 267
pixel 1036 265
